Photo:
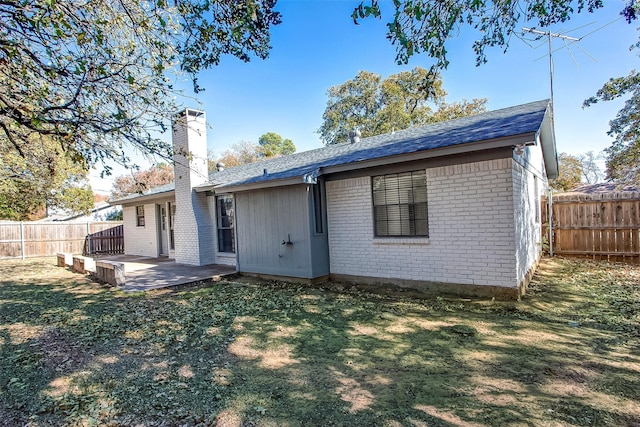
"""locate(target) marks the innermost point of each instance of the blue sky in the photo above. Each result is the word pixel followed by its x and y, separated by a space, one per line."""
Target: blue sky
pixel 318 46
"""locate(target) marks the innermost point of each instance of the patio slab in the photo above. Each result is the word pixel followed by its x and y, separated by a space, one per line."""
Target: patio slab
pixel 143 273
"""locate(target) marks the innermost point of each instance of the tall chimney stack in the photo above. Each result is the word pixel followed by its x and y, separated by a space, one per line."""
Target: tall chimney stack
pixel 194 231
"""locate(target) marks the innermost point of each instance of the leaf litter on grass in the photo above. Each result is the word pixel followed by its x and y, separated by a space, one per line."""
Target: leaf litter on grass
pixel 266 353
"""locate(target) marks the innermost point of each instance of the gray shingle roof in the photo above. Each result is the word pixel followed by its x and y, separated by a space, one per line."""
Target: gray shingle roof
pixel 507 122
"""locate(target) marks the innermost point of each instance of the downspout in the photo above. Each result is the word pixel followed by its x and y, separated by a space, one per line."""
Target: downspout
pixel 550 205
pixel 235 230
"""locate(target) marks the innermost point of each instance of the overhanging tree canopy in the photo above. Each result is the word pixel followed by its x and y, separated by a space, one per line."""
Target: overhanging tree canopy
pixel 96 75
pixel 623 156
pixel 425 26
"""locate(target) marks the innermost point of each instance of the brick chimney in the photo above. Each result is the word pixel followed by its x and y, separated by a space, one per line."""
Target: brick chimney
pixel 194 231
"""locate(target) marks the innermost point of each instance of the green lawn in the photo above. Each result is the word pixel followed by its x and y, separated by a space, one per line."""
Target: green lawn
pixel 268 354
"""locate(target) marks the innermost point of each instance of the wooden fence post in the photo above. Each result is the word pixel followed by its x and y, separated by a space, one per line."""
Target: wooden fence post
pixel 88 240
pixel 22 254
pixel 550 207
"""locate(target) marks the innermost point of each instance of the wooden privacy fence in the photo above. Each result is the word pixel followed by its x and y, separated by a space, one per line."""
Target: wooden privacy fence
pixel 35 239
pixel 602 226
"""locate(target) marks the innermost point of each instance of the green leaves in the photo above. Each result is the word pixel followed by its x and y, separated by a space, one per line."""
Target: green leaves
pixel 423 26
pixel 41 174
pixel 272 144
pixel 239 28
pixel 375 106
pixel 362 11
pixel 91 75
pixel 623 156
pixel 269 145
pixel 569 173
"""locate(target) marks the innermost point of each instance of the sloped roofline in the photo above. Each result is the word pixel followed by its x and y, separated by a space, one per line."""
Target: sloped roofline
pixel 522 139
pixel 525 124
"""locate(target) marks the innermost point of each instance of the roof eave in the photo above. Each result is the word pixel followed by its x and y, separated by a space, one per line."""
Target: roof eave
pixel 141 198
pixel 231 188
pixel 204 188
pixel 547 138
pixel 528 138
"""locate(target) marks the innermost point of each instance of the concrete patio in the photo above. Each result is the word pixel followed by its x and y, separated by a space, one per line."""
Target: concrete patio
pixel 143 273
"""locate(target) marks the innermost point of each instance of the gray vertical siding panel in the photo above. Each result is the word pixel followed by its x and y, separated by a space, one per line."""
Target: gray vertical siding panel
pixel 264 219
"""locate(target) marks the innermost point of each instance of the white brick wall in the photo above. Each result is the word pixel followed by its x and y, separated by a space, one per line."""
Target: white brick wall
pixel 141 241
pixel 471 229
pixel 144 240
pixel 527 169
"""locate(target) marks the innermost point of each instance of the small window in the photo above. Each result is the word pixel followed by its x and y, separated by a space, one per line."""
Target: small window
pixel 140 216
pixel 226 238
pixel 400 204
pixel 317 208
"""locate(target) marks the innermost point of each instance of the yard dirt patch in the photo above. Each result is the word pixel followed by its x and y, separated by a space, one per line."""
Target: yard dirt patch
pixel 247 353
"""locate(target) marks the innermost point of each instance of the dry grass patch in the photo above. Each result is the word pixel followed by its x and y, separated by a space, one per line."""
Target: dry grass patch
pixel 271 354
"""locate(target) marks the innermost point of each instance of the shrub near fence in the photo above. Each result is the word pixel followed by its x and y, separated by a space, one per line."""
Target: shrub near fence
pixel 36 239
pixel 602 226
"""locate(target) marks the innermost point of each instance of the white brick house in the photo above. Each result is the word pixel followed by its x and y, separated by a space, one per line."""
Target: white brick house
pixel 451 207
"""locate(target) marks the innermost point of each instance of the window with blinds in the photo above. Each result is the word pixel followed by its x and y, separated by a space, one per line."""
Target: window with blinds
pixel 400 204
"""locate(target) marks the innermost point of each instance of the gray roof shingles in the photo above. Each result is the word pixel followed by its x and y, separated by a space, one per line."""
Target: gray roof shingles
pixel 507 122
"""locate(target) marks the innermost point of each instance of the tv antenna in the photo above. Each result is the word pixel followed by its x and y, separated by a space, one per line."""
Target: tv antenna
pixel 550 36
